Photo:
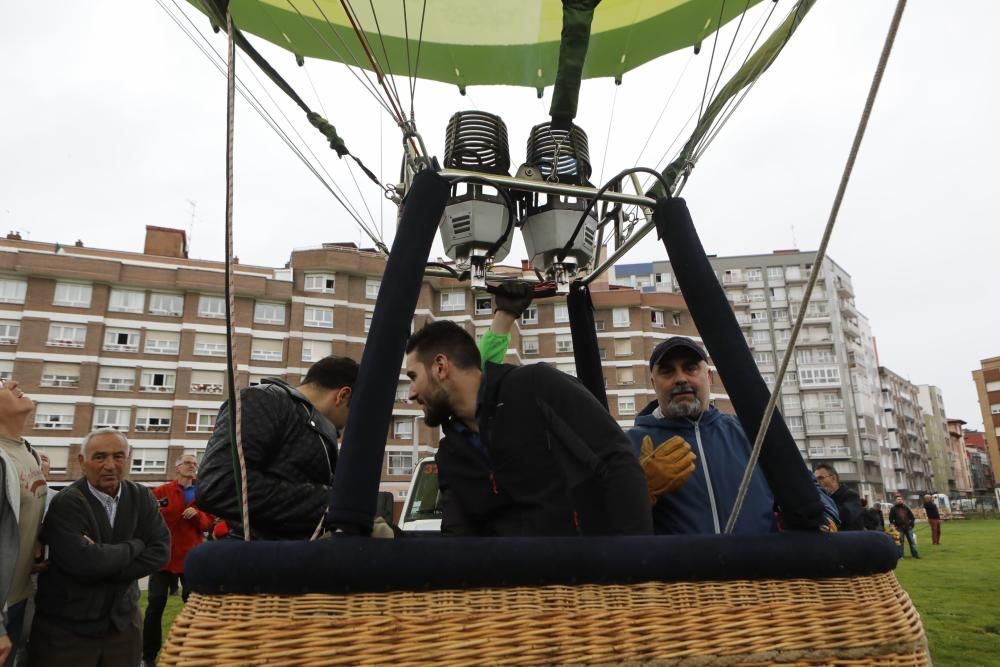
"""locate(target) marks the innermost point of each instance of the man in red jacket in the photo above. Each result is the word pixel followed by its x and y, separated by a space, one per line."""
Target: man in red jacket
pixel 187 525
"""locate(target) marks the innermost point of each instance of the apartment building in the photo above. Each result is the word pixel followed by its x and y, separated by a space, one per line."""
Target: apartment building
pixel 907 441
pixel 136 341
pixel 938 439
pixel 959 456
pixel 830 397
pixel 987 379
pixel 980 469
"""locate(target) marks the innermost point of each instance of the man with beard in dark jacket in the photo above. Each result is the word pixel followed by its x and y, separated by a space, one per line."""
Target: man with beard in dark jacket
pixel 527 450
pixel 848 502
pixel 697 499
pixel 290 444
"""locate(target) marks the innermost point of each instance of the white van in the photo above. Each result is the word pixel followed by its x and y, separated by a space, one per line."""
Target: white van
pixel 422 511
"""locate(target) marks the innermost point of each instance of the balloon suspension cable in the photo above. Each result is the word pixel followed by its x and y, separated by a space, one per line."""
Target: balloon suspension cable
pixel 235 416
pixel 818 262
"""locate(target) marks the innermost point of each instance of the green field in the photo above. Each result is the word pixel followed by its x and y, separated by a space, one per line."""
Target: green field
pixel 955 586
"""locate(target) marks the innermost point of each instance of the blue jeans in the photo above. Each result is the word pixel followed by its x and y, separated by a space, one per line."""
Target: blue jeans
pixel 15 631
pixel 908 534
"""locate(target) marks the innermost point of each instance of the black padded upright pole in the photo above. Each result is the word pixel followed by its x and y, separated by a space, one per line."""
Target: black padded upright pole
pixel 355 483
pixel 786 473
pixel 585 350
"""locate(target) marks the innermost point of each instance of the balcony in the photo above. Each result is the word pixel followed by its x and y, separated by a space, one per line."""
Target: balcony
pixel 63 342
pixel 60 381
pixel 847 308
pixel 113 347
pixel 844 289
pixel 115 384
pixel 733 279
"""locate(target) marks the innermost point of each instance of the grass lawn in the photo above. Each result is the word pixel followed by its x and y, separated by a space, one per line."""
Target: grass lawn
pixel 956 588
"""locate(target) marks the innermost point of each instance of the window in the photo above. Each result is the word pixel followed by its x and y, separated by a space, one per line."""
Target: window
pixel 623 347
pixel 265 312
pixel 149 460
pixel 200 421
pixel 658 318
pixel 318 317
pixel 564 344
pixel 162 342
pixel 484 305
pixel 560 312
pixel 10 331
pixel 568 368
pixel 775 273
pixel 762 358
pixel 6 369
pixel 993 386
pixel 758 316
pixel 152 420
pixel 777 293
pixel 620 317
pixel 768 378
pixel 603 351
pixel 598 325
pixel 211 306
pixel 314 350
pixel 779 314
pixel 402 429
pixel 121 340
pixel 819 376
pixel 255 380
pixel 753 275
pixel 995 409
pixel 626 405
pixel 453 300
pixel 13 291
pixel 755 296
pixel 529 345
pixel 60 375
pixel 207 382
pixel 166 304
pixel 162 381
pixel 816 310
pixel 210 345
pixel 794 423
pixel 115 378
pixel 67 335
pixel 321 282
pixel 530 315
pixel 665 282
pixel 782 335
pixel 368 322
pixel 626 375
pixel 761 337
pixel 58 457
pixel 116 418
pixel 793 273
pixel 400 463
pixel 126 301
pixel 73 295
pixel 676 319
pixel 403 391
pixel 264 349
pixel 791 377
pixel 54 416
pixel 831 400
pixel 731 276
pixel 371 288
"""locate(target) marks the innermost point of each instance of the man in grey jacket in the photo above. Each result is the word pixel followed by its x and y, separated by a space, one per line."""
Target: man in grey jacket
pixel 104 533
pixel 22 504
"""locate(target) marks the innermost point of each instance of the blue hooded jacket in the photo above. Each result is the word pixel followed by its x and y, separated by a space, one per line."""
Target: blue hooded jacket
pixel 703 504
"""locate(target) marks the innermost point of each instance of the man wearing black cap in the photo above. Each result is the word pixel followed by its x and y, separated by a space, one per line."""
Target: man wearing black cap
pixel 681 422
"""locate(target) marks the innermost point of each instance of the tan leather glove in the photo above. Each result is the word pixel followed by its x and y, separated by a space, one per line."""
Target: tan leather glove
pixel 667 467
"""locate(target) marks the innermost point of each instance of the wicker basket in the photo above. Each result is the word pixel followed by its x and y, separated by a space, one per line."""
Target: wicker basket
pixel 849 621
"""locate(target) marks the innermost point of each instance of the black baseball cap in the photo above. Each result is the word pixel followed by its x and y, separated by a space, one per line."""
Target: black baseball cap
pixel 673 344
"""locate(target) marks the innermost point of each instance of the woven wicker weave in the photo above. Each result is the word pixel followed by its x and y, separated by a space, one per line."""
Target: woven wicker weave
pixel 851 621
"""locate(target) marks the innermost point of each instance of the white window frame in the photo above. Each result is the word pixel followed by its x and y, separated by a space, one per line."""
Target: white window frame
pixel 620 318
pixel 399 463
pixel 13 291
pixel 204 421
pixel 564 344
pixel 261 314
pixel 62 334
pixel 529 315
pixel 625 375
pixel 676 319
pixel 156 345
pixel 147 460
pixel 54 376
pixel 320 282
pixel 560 312
pixel 10 332
pixel 452 300
pixel 209 347
pixel 212 385
pixel 263 354
pixel 211 306
pixel 54 416
pixel 73 295
pixel 125 299
pixel 368 322
pixel 115 378
pixel 131 343
pixel 775 273
pixel 117 418
pixel 758 316
pixel 372 288
pixel 167 384
pixel 626 406
pixel 402 429
pixel 623 347
pixel 145 418
pixel 658 318
pixel 529 345
pixel 760 337
pixel 166 304
pixel 484 305
pixel 753 275
pixel 309 349
pixel 310 317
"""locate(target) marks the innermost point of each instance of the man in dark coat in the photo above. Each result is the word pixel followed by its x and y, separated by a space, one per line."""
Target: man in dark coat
pixel 848 501
pixel 873 518
pixel 901 517
pixel 933 518
pixel 527 450
pixel 103 533
pixel 290 444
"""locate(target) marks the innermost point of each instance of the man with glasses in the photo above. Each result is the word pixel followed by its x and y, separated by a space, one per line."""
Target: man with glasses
pixel 852 516
pixel 187 525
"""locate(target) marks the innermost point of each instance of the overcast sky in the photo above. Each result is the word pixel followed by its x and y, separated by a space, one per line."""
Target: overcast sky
pixel 112 120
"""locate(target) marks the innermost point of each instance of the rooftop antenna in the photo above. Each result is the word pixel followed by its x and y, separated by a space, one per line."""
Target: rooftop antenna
pixel 795 244
pixel 194 208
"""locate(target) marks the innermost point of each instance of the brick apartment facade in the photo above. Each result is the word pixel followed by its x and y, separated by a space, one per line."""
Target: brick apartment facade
pixel 136 341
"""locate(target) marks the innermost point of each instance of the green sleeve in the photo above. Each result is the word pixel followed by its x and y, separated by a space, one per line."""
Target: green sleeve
pixel 493 347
